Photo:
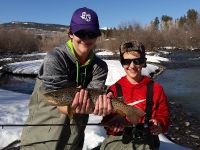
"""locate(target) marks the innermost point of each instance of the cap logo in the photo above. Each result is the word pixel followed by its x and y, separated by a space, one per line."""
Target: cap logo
pixel 85 16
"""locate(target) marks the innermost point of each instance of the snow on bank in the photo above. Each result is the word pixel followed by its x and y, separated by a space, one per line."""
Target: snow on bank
pixel 104 53
pixel 34 54
pixel 13 110
pixel 5 59
pixel 26 67
pixel 156 59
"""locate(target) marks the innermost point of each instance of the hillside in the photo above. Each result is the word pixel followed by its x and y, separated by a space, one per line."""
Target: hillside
pixel 25 37
pixel 33 25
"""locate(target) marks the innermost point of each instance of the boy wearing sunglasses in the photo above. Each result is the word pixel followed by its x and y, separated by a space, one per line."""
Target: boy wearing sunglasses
pixel 139 91
pixel 75 62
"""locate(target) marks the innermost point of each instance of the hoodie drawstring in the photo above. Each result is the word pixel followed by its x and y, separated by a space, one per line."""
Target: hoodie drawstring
pixel 81 75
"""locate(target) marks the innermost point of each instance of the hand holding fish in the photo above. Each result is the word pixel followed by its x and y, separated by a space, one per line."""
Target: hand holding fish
pixel 81 103
pixel 103 105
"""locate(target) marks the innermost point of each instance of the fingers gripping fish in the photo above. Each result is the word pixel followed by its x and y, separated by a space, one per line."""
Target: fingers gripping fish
pixel 64 97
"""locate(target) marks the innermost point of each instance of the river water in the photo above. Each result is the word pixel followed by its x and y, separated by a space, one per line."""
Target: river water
pixel 182 85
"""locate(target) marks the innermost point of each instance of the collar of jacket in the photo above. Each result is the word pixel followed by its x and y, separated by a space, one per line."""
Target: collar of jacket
pixel 90 57
pixel 79 79
pixel 125 82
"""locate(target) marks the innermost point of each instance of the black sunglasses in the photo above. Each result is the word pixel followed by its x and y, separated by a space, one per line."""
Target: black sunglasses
pixel 136 61
pixel 86 34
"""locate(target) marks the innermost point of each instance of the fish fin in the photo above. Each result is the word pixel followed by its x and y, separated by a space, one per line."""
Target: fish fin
pixel 70 112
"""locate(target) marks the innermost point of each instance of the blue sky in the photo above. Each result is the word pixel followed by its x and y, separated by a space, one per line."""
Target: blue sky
pixel 112 13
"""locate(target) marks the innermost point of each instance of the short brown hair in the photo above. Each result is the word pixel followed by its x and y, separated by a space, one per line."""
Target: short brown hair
pixel 132 45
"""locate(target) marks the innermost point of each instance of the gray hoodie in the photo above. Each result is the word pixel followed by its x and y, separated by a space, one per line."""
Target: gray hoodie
pixel 59 69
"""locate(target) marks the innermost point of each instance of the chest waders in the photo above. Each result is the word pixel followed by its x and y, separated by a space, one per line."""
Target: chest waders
pixel 140 134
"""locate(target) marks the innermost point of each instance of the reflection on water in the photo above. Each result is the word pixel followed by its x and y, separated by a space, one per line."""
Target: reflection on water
pixel 17 83
pixel 183 86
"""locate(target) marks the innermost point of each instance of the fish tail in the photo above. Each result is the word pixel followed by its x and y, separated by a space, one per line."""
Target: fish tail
pixel 134 114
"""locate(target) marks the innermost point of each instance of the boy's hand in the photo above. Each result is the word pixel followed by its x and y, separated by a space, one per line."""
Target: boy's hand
pixel 103 105
pixel 156 128
pixel 81 102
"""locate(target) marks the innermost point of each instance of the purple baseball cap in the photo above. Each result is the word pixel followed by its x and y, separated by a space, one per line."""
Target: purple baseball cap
pixel 85 19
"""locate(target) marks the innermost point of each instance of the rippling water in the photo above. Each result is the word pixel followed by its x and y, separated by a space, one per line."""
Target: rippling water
pixel 183 86
pixel 17 83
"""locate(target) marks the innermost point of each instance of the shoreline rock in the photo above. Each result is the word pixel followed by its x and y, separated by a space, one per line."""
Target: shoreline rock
pixel 184 127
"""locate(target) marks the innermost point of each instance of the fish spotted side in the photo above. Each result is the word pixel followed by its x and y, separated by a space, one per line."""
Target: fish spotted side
pixel 64 97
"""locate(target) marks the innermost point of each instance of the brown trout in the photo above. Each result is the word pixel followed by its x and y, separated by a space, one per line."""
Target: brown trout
pixel 64 97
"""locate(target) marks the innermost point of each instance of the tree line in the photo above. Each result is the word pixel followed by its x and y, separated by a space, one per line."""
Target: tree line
pixel 183 32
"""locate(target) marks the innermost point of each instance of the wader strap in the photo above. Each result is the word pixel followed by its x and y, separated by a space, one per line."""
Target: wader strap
pixel 149 103
pixel 152 140
pixel 118 90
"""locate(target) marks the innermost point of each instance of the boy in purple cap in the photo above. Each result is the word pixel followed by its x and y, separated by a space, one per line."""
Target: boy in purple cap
pixel 73 62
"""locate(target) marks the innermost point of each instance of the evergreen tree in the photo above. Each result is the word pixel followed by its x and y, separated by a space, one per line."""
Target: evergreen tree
pixel 192 16
pixel 155 24
pixel 166 21
pixel 182 21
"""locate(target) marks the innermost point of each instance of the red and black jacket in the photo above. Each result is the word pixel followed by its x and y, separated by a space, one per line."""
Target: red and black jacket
pixel 135 94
